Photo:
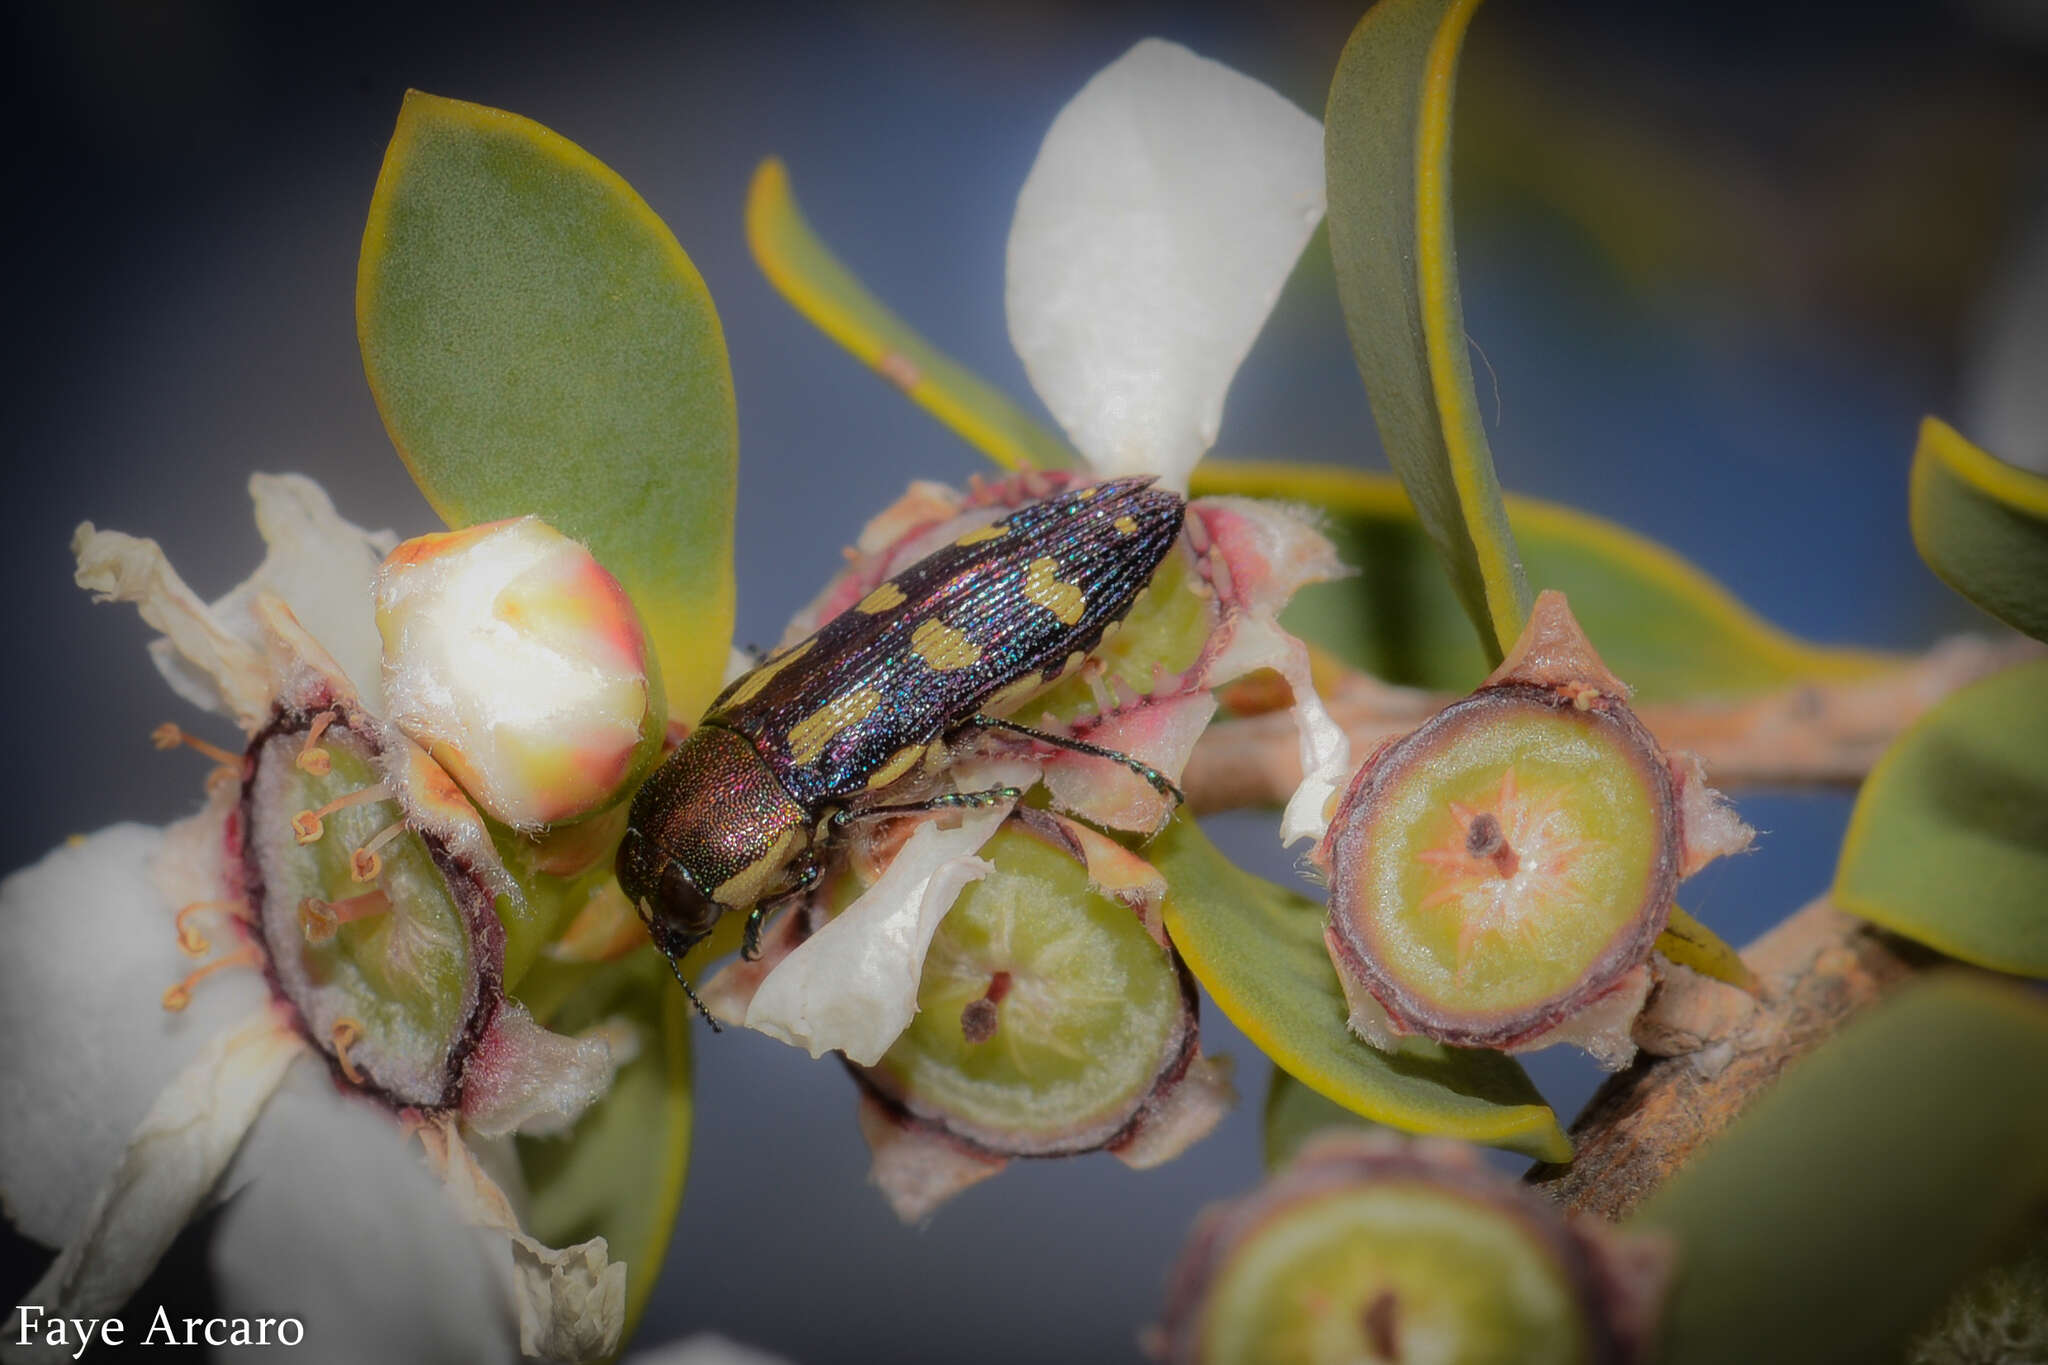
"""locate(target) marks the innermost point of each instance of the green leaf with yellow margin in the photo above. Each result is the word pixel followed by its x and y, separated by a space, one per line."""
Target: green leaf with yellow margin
pixel 811 278
pixel 1982 524
pixel 619 1175
pixel 1294 1114
pixel 1258 948
pixel 1387 146
pixel 1948 844
pixel 1664 627
pixel 1688 942
pixel 538 343
pixel 1832 1219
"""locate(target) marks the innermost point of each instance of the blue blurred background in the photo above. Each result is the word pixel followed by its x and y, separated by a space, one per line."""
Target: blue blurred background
pixel 1719 260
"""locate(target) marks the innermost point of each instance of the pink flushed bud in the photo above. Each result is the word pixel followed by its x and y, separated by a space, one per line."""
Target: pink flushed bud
pixel 519 663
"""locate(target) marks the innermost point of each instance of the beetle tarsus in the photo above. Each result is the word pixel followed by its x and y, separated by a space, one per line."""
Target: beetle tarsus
pixel 1159 781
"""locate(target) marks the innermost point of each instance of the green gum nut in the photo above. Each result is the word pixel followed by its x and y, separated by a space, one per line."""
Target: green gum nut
pixel 1510 863
pixel 385 944
pixel 1371 1249
pixel 1050 1021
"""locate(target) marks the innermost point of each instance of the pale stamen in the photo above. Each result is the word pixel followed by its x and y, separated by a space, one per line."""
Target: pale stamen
pixel 170 735
pixel 319 920
pixel 192 942
pixel 180 995
pixel 364 864
pixel 312 758
pixel 308 825
pixel 345 1034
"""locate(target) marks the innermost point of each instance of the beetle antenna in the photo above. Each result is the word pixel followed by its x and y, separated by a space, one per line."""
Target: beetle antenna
pixel 675 968
pixel 678 971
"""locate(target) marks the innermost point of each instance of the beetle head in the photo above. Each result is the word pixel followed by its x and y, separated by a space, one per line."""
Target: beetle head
pixel 678 914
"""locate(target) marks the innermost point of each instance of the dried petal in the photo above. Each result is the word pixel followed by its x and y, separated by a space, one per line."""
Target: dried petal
pixel 523 1078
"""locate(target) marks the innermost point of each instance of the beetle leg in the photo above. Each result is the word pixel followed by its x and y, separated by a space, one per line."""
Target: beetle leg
pixel 943 801
pixel 1161 783
pixel 807 873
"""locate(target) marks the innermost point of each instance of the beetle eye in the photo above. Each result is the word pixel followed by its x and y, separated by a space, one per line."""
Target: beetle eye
pixel 683 910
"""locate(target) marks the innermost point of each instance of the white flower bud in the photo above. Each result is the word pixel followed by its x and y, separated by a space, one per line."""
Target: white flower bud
pixel 514 658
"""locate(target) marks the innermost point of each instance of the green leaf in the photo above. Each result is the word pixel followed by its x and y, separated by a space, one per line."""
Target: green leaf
pixel 538 343
pixel 619 1175
pixel 1295 1113
pixel 824 291
pixel 1685 940
pixel 1982 524
pixel 1387 143
pixel 1664 627
pixel 1834 1217
pixel 1949 841
pixel 1259 950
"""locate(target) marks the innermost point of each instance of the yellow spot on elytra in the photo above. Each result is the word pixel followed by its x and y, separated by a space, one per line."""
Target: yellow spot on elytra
pixel 1125 526
pixel 751 685
pixel 1044 587
pixel 809 736
pixel 904 760
pixel 942 647
pixel 882 599
pixel 976 537
pixel 748 885
pixel 1016 692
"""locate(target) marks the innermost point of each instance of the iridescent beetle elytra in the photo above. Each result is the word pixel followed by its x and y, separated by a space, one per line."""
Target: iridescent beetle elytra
pixel 817 733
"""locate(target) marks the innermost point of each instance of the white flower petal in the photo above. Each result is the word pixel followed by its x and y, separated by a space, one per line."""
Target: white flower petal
pixel 204 662
pixel 852 986
pixel 213 656
pixel 1164 213
pixel 322 566
pixel 340 1225
pixel 86 950
pixel 706 1348
pixel 172 1164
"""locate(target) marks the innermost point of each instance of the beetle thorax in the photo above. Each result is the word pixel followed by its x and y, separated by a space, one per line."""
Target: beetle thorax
pixel 717 809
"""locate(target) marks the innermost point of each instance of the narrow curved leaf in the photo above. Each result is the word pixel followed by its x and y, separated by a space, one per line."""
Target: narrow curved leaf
pixel 1685 940
pixel 1294 1114
pixel 1949 841
pixel 1387 147
pixel 538 343
pixel 1982 524
pixel 1832 1219
pixel 619 1175
pixel 804 270
pixel 1663 626
pixel 1259 950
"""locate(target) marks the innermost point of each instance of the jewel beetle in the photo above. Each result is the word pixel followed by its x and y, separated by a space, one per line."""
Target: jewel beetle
pixel 740 815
